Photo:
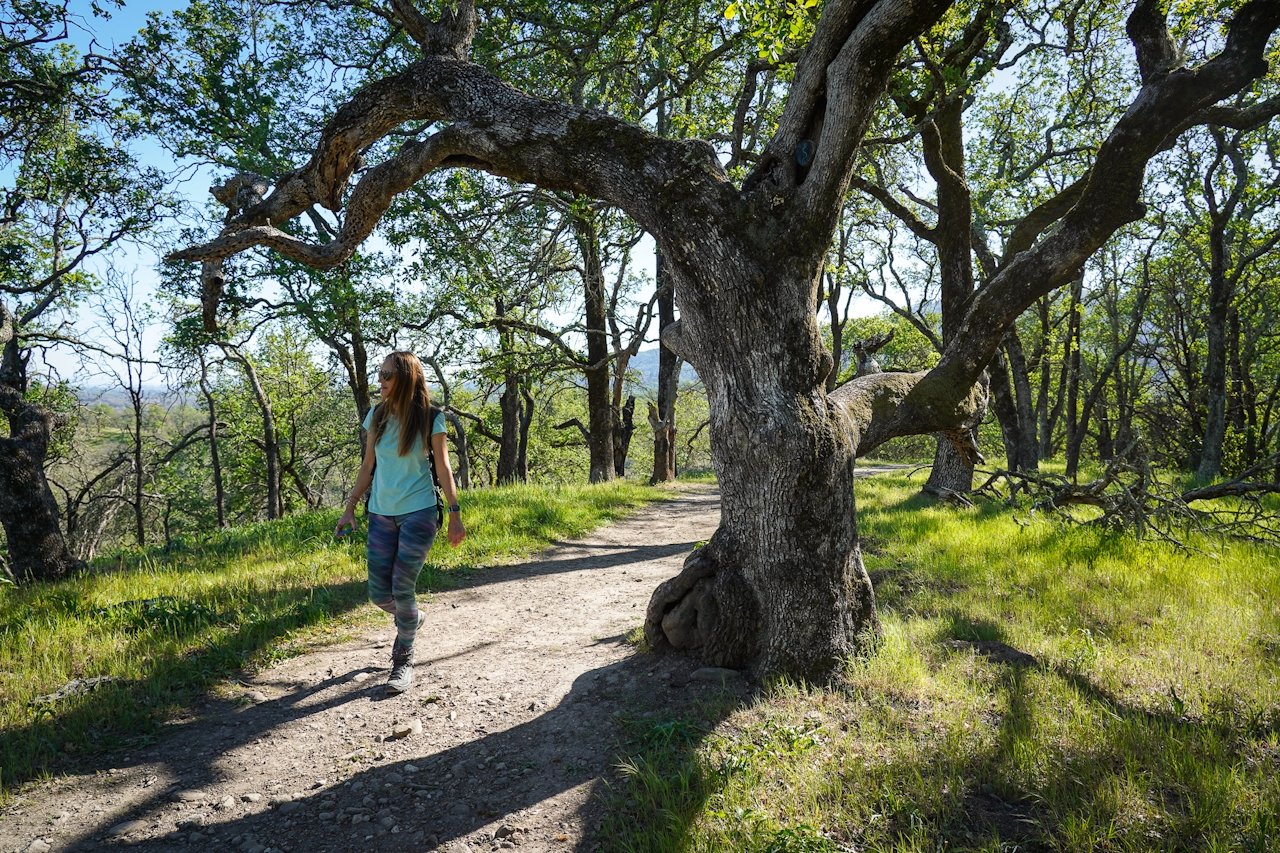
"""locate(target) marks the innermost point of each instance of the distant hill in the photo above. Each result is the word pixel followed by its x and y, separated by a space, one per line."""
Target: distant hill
pixel 646 362
pixel 117 398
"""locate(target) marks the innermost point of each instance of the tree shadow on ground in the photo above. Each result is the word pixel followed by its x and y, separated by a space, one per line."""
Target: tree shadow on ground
pixel 462 793
pixel 108 718
pixel 435 579
pixel 1040 788
pixel 117 712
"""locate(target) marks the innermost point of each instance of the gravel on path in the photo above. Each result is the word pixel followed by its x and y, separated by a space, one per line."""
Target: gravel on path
pixel 504 741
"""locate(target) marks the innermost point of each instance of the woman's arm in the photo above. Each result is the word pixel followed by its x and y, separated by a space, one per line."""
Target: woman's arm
pixel 363 481
pixel 444 473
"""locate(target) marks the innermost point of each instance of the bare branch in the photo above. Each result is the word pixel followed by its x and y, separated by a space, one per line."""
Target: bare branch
pixel 574 422
pixel 897 208
pixel 1041 217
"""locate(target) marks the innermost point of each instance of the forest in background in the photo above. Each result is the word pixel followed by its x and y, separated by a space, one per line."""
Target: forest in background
pixel 528 305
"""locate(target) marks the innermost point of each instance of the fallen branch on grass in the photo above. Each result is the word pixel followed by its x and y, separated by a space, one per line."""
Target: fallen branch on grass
pixel 1133 498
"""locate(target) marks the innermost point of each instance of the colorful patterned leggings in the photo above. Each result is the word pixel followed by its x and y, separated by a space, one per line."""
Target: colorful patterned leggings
pixel 398 547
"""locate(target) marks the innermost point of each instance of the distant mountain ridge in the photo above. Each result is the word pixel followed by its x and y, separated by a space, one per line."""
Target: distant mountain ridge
pixel 117 398
pixel 646 363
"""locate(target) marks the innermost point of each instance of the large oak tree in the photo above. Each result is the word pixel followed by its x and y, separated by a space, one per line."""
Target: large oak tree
pixel 781 586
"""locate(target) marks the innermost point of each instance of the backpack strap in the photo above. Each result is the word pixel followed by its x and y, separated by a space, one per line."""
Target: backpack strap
pixel 432 414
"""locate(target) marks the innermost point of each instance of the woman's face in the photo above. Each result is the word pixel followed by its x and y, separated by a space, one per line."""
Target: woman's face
pixel 386 377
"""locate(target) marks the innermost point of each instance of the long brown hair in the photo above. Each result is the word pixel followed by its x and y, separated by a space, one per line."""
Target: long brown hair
pixel 409 403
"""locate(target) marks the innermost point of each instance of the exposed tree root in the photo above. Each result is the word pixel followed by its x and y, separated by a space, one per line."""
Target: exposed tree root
pixel 707 610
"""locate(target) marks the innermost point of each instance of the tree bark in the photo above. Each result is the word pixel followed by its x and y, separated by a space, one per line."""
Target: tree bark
pixel 944 157
pixel 1221 295
pixel 28 510
pixel 526 420
pixel 509 448
pixel 786 550
pixel 270 442
pixel 1071 368
pixel 600 413
pixel 463 470
pixel 623 428
pixel 219 491
pixel 1028 449
pixel 1043 404
pixel 139 471
pixel 1006 409
pixel 663 418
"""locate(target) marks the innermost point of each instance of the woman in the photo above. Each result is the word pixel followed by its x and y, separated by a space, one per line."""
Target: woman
pixel 402 509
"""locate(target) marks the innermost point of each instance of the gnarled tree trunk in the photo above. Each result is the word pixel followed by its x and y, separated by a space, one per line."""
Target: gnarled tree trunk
pixel 781 585
pixel 28 511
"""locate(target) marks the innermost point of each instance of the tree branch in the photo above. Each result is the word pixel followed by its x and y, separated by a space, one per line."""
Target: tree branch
pixel 1041 217
pixel 854 81
pixel 897 208
pixel 574 422
pixel 1109 200
pixel 872 403
pixel 450 36
pixel 494 127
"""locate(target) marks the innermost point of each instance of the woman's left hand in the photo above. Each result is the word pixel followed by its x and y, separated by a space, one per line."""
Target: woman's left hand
pixel 456 531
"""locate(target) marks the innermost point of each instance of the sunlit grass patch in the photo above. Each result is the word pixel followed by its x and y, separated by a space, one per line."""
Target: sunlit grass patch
pixel 1038 687
pixel 165 626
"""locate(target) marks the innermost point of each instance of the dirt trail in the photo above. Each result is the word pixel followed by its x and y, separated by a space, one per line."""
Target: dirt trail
pixel 522 678
pixel 519 678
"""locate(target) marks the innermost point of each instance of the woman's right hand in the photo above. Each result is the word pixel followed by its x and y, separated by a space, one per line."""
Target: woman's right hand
pixel 346 524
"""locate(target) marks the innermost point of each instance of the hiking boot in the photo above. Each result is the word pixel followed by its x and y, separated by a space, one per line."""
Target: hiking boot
pixel 401 674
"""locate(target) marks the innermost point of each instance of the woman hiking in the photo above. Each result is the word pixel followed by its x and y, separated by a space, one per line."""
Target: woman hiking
pixel 405 434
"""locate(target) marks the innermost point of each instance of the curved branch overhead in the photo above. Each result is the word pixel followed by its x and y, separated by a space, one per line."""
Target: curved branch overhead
pixel 495 127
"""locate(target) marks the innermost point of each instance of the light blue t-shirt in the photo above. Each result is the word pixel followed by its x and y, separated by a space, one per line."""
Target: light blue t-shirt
pixel 401 484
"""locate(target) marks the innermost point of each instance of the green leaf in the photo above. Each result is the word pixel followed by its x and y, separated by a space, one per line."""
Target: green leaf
pixel 731 11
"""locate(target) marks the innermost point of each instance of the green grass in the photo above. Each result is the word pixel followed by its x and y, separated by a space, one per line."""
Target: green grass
pixel 1150 720
pixel 171 625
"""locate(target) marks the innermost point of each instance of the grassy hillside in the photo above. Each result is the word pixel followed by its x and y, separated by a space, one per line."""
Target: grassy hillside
pixel 1147 717
pixel 169 625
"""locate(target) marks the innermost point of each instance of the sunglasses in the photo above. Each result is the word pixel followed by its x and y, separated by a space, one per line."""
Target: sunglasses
pixel 386 375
